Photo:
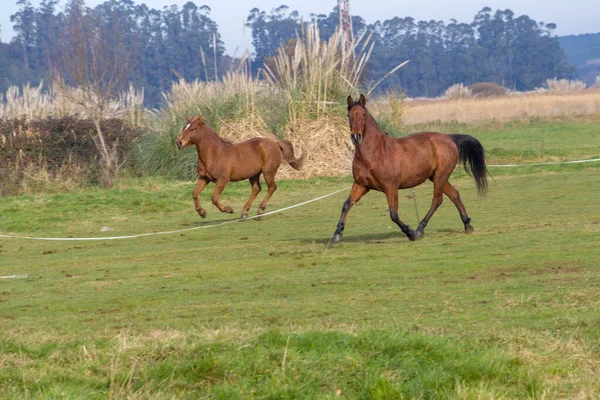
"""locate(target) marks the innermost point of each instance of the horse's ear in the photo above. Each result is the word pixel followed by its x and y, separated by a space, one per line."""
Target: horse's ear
pixel 363 100
pixel 349 100
pixel 189 119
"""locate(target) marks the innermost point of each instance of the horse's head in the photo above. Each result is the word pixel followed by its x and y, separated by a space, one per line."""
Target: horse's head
pixel 357 116
pixel 191 132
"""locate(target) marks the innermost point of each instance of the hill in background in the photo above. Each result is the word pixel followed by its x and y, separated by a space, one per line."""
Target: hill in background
pixel 583 51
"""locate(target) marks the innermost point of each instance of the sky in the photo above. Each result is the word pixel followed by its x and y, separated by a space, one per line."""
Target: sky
pixel 572 17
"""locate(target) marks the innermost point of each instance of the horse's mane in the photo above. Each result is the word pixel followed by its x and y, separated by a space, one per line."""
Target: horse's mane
pixel 201 121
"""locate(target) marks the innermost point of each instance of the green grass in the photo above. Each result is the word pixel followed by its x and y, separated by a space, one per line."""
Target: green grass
pixel 269 309
pixel 528 140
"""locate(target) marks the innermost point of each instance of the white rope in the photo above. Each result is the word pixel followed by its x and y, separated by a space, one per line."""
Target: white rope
pixel 175 231
pixel 13 277
pixel 546 163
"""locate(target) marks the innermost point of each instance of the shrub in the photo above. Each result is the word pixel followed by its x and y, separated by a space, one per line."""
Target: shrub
pixel 48 149
pixel 487 89
pixel 457 91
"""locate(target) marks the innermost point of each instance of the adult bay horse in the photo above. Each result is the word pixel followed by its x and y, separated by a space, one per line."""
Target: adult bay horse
pixel 222 162
pixel 386 164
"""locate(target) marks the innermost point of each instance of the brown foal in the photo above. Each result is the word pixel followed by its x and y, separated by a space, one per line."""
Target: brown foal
pixel 222 162
pixel 386 164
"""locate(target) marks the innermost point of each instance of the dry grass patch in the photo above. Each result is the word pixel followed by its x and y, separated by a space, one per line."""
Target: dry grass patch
pixel 507 108
pixel 327 144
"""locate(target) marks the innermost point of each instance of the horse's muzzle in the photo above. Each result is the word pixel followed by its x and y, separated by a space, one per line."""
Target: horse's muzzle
pixel 179 145
pixel 356 138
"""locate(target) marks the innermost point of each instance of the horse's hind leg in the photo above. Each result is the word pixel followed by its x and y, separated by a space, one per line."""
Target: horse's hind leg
pixel 438 189
pixel 219 187
pixel 392 198
pixel 271 188
pixel 200 185
pixel 356 193
pixel 255 182
pixel 453 195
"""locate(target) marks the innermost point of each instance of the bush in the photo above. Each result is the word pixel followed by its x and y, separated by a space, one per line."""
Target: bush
pixel 36 154
pixel 487 89
pixel 458 91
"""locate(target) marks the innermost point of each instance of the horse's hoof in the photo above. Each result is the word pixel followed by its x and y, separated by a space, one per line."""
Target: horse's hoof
pixel 412 235
pixel 419 233
pixel 228 209
pixel 469 230
pixel 244 216
pixel 337 237
pixel 202 213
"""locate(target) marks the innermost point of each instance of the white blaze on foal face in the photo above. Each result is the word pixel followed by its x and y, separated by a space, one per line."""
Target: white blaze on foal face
pixel 179 142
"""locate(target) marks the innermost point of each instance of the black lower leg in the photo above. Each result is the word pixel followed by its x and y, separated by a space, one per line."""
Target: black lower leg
pixel 424 222
pixel 403 227
pixel 337 235
pixel 467 221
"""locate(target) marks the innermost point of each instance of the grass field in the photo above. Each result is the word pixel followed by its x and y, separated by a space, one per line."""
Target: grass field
pixel 269 309
pixel 529 140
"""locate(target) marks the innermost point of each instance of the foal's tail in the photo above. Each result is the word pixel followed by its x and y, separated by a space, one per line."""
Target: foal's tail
pixel 470 151
pixel 287 150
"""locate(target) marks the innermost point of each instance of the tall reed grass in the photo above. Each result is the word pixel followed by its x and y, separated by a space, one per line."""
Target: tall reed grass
pixel 40 102
pixel 564 85
pixel 315 75
pixel 458 90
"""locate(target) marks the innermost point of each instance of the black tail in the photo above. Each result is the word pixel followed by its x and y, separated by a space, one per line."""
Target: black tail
pixel 471 152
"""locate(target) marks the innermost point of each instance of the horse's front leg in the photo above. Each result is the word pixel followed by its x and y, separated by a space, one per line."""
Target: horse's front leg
pixel 438 189
pixel 392 199
pixel 219 187
pixel 356 193
pixel 200 185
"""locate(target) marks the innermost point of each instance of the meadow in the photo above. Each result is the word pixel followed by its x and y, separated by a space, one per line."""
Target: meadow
pixel 271 309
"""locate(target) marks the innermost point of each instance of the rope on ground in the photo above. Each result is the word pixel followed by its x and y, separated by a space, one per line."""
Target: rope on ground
pixel 13 277
pixel 546 163
pixel 255 216
pixel 174 231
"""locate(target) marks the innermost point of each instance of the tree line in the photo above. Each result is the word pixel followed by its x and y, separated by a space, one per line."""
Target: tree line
pixel 513 51
pixel 163 45
pixel 184 42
